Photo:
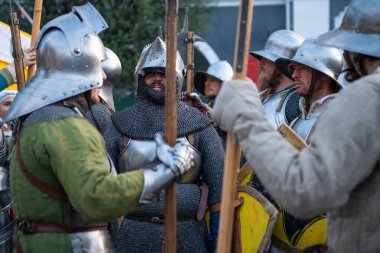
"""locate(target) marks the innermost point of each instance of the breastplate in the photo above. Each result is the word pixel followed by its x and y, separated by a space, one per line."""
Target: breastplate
pixel 139 154
pixel 303 126
pixel 275 116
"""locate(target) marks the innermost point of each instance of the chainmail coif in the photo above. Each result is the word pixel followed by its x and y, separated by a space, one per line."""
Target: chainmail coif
pixel 147 116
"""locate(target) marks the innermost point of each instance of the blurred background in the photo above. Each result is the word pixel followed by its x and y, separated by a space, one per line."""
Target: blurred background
pixel 134 23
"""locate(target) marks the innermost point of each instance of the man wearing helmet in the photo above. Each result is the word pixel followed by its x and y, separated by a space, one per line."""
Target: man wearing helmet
pixel 209 83
pixel 315 69
pixel 63 191
pixel 339 173
pixel 131 146
pixel 278 96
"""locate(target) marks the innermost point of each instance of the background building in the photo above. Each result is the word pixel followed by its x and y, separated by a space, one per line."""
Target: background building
pixel 309 18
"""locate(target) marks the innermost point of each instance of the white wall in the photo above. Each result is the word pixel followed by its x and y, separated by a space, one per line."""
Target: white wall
pixel 311 17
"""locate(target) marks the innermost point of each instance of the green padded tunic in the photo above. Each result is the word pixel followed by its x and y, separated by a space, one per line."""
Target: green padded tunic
pixel 69 155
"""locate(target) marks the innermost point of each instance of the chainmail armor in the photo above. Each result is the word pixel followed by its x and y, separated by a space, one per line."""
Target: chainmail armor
pixel 138 232
pixel 50 113
pixel 148 114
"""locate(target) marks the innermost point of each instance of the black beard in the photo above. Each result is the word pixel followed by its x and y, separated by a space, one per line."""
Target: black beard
pixel 146 92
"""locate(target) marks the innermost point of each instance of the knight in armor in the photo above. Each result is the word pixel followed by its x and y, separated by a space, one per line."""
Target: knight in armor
pixel 315 69
pixel 279 96
pixel 60 175
pixel 339 173
pixel 132 145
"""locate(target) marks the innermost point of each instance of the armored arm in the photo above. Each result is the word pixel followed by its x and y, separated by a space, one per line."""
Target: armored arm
pixel 173 163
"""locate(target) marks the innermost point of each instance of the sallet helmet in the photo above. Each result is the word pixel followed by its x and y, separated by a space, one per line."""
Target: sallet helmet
pixel 69 61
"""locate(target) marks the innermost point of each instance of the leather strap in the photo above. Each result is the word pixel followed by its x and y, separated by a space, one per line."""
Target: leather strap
pixel 36 182
pixel 236 203
pixel 283 99
pixel 16 242
pixel 203 201
pixel 34 227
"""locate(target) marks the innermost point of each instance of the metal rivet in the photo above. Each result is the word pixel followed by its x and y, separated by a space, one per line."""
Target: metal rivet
pixel 77 50
pixel 86 66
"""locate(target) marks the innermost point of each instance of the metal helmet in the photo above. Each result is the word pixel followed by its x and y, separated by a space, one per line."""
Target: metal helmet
pixel 112 68
pixel 359 31
pixel 280 44
pixel 69 61
pixel 221 70
pixel 311 53
pixel 153 57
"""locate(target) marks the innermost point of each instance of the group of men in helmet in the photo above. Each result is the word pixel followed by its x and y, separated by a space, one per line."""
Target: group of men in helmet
pixel 338 173
pixel 77 165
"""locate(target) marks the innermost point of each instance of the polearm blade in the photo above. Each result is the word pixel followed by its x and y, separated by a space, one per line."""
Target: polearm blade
pixel 35 31
pixel 171 120
pixel 231 163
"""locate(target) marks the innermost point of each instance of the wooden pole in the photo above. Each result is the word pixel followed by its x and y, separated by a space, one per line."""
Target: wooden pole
pixel 171 120
pixel 231 167
pixel 190 64
pixel 35 31
pixel 17 50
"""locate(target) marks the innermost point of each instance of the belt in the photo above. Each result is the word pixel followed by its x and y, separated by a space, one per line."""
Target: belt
pixel 29 227
pixel 156 219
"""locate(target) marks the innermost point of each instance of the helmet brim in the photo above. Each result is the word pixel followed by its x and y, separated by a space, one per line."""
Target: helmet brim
pixel 199 82
pixel 348 40
pixel 265 54
pixel 282 64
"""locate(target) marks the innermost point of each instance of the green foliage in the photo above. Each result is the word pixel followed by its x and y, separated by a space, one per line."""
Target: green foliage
pixel 132 24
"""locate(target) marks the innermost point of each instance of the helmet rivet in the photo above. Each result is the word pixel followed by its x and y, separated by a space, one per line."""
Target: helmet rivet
pixel 59 67
pixel 77 50
pixel 44 97
pixel 301 54
pixel 315 59
pixel 86 66
pixel 73 67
